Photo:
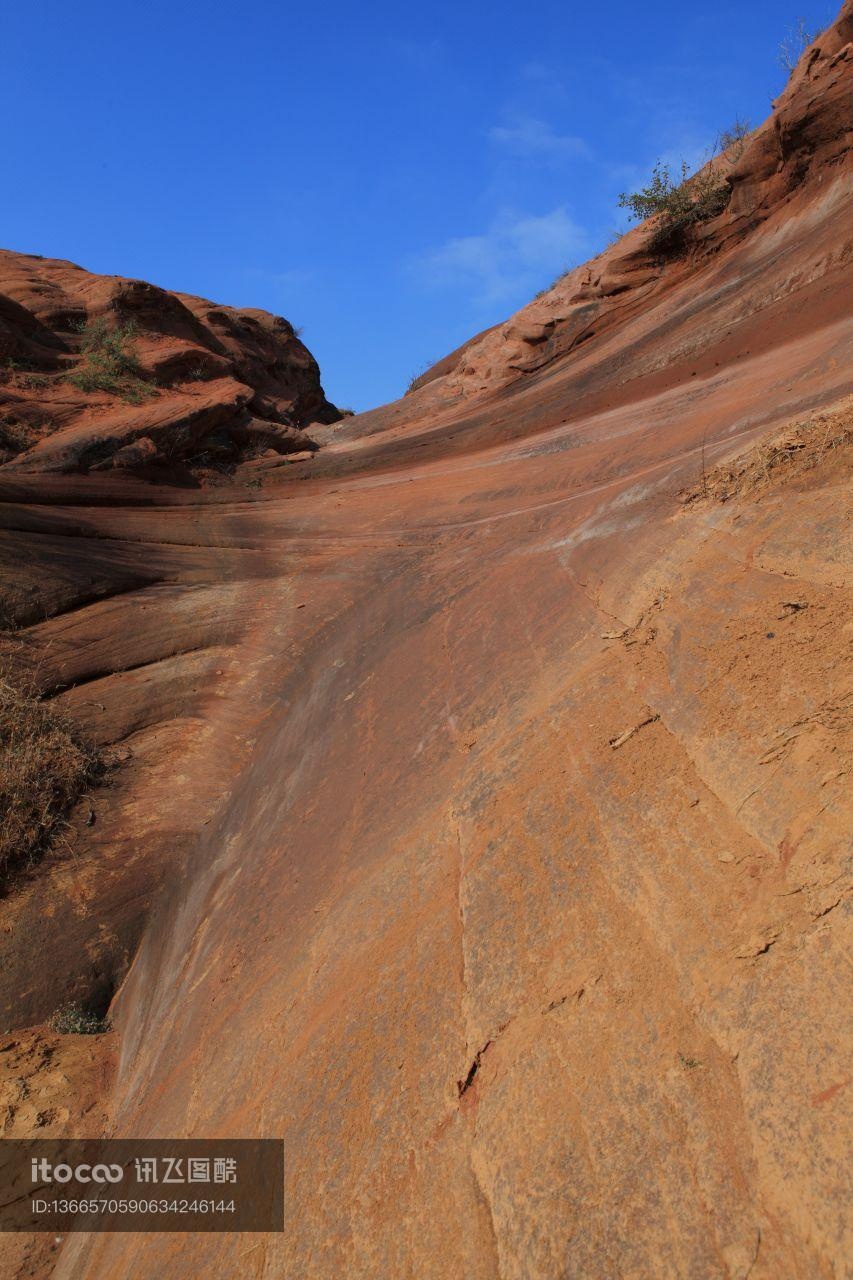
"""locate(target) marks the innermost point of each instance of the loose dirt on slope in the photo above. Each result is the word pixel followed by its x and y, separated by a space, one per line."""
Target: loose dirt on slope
pixel 807 445
pixel 51 1086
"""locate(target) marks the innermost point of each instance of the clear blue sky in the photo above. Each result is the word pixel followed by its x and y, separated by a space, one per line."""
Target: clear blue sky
pixel 391 177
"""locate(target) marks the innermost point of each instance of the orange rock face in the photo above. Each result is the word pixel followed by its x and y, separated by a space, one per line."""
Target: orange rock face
pixel 211 384
pixel 482 817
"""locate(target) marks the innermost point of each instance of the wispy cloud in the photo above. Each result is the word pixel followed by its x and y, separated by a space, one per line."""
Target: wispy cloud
pixel 294 278
pixel 424 55
pixel 530 136
pixel 513 256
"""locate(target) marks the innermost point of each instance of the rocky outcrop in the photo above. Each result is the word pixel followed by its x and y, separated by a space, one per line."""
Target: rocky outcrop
pixel 211 386
pixel 800 146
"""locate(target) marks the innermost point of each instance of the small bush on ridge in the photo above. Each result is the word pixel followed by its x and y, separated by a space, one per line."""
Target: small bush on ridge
pixel 795 43
pixel 676 204
pixel 732 141
pixel 109 363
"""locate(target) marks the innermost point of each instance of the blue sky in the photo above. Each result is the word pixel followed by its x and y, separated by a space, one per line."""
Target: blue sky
pixel 390 177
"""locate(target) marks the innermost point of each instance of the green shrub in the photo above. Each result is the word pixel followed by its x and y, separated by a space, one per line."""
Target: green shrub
pixel 675 205
pixel 109 362
pixel 73 1020
pixel 19 373
pixel 35 381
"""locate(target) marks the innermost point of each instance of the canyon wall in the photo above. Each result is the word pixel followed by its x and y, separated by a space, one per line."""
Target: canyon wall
pixel 480 826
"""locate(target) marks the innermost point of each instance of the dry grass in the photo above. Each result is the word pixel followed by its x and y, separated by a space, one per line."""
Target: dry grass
pixel 801 448
pixel 74 1020
pixel 15 436
pixel 44 767
pixel 19 433
pixel 108 362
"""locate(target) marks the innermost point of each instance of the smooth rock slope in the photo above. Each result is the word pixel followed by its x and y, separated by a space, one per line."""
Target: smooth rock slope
pixel 483 822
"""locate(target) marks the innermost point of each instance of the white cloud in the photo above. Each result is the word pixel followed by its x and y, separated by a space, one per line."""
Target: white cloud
pixel 530 136
pixel 517 253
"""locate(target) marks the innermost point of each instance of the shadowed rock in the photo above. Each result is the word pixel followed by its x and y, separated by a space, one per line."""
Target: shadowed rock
pixel 209 384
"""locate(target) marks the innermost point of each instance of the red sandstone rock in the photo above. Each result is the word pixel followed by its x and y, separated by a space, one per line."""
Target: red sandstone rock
pixel 377 880
pixel 142 452
pixel 212 378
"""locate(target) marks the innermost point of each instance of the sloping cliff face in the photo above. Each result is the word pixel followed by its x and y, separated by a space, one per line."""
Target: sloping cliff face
pixel 483 814
pixel 805 139
pixel 193 390
pixel 632 323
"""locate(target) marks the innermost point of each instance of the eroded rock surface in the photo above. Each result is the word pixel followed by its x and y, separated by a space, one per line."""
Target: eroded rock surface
pixel 482 824
pixel 212 386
